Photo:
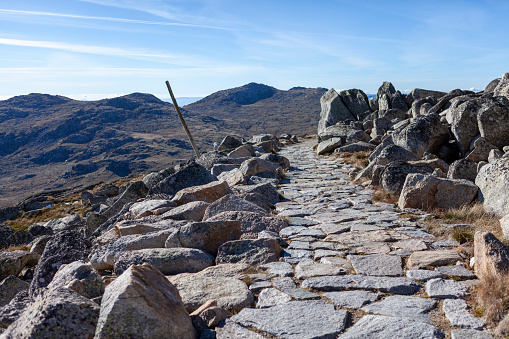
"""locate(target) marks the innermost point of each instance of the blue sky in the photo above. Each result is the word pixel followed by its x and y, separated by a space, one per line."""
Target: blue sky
pixel 90 49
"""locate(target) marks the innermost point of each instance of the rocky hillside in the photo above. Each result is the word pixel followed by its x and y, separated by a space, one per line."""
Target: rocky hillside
pixel 50 142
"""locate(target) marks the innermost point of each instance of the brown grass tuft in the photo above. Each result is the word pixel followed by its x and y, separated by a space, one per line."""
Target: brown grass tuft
pixel 383 196
pixel 359 160
pixel 492 297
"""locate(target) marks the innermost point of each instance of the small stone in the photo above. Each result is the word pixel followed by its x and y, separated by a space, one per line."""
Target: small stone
pixel 300 245
pixel 319 254
pixel 456 271
pixel 411 244
pixel 272 297
pixel 279 268
pixel 456 312
pixel 422 259
pixel 284 283
pixel 301 294
pixel 296 256
pixel 373 249
pixel 352 299
pixel 259 285
pixel 336 261
pixel 408 307
pixel 445 289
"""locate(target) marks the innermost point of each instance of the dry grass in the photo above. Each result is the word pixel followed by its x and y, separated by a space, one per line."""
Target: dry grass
pixel 359 160
pixel 381 195
pixel 474 215
pixel 492 298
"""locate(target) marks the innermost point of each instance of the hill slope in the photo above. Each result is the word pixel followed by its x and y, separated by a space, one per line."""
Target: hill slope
pixel 53 142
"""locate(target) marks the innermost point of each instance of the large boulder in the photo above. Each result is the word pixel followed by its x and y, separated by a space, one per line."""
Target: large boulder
pixel 386 88
pixel 333 110
pixel 394 175
pixel 493 119
pixel 343 131
pixel 463 169
pixel 252 223
pixel 425 134
pixel 206 236
pixel 329 146
pixel 243 151
pixel 191 211
pixel 209 193
pixel 64 248
pixel 493 182
pixel 231 202
pixel 58 313
pixel 502 88
pixel 419 93
pixel 427 191
pixel 147 207
pixel 80 277
pixel 192 174
pixel 209 159
pixel 491 255
pixel 267 190
pixel 167 260
pixel 480 150
pixel 462 115
pixel 229 142
pixel 9 287
pixel 357 102
pixel 254 166
pixel 443 103
pixel 142 303
pixel 13 262
pixel 6 232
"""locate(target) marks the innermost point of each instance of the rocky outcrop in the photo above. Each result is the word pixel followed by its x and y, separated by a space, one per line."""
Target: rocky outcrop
pixel 493 182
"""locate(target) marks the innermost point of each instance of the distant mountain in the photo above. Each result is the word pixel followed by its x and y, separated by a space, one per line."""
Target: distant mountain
pixel 52 142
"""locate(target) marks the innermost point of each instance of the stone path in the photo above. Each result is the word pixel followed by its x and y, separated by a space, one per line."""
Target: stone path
pixel 354 268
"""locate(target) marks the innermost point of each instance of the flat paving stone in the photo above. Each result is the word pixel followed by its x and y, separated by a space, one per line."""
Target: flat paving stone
pixel 411 244
pixel 422 259
pixel 402 252
pixel 323 245
pixel 408 307
pixel 302 294
pixel 300 231
pixel 417 233
pixel 457 314
pixel 310 268
pixel 332 228
pixel 271 297
pixel 373 249
pixel 336 261
pixel 300 245
pixel 232 330
pixel 456 271
pixel 444 243
pixel 360 282
pixel 284 283
pixel 279 268
pixel 352 299
pixel 294 320
pixel 319 254
pixel 423 275
pixel 445 289
pixel 364 228
pixel 383 327
pixel 257 286
pixel 298 221
pixel 377 264
pixel 330 217
pixel 470 334
pixel 296 256
pixel 360 238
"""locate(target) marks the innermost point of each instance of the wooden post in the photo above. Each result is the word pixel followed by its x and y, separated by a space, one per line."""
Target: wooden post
pixel 182 121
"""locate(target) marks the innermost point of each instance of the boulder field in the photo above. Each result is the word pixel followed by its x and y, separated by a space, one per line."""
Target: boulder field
pixel 271 238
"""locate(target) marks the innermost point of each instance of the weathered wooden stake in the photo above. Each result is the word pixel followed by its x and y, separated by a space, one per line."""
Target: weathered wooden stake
pixel 182 121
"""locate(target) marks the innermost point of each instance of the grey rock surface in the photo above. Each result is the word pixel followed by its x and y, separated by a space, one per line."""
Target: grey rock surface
pixel 351 299
pixel 359 282
pixel 407 307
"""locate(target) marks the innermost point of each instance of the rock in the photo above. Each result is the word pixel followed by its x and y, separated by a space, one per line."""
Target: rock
pixel 494 155
pixel 417 104
pixel 207 236
pixel 230 293
pixel 377 264
pixel 383 327
pixel 360 146
pixel 360 282
pixel 152 179
pixel 427 191
pixel 267 190
pixel 133 192
pixel 254 166
pixel 423 275
pixel 243 151
pixel 470 334
pixel 351 299
pixel 360 238
pixel 220 168
pixel 333 110
pixel 293 320
pixel 143 303
pixel 279 269
pixel 462 116
pixel 280 160
pixel 356 101
pixel 456 312
pixel 194 210
pixel 329 146
pixel 504 225
pixel 493 120
pixel 493 180
pixel 425 134
pixel 210 317
pixel 208 193
pixel 347 133
pixel 310 268
pixel 79 277
pixel 68 222
pixel 406 307
pixel 445 289
pixel 103 257
pixel 6 233
pixel 231 202
pixel 444 101
pixel 480 150
pixel 380 127
pixel 502 88
pixel 12 311
pixel 398 102
pixel 58 313
pixel 252 223
pixel 491 255
pixel 392 153
pixel 394 175
pixel 272 297
pixel 463 169
pixel 209 159
pixel 147 207
pixel 268 146
pixel 167 260
pixel 229 142
pixel 9 287
pixel 192 174
pixel 457 271
pixel 422 259
pixel 12 262
pixel 254 252
pixel 232 330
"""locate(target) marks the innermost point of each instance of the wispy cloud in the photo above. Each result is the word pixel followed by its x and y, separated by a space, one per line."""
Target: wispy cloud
pixel 111 19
